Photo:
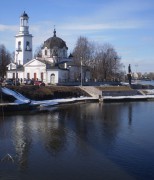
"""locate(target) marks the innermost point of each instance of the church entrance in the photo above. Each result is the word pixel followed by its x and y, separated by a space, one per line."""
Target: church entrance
pixel 52 79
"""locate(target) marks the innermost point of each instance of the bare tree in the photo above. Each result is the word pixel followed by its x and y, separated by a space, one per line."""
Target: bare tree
pixel 83 49
pixel 106 63
pixel 102 60
pixel 38 51
pixel 5 59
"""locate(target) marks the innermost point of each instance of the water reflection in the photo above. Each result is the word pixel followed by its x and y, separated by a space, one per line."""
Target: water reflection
pixel 130 114
pixel 86 133
pixel 93 123
pixel 54 134
pixel 22 139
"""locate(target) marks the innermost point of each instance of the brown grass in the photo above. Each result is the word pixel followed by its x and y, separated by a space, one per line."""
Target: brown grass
pixel 48 92
pixel 54 92
pixel 114 88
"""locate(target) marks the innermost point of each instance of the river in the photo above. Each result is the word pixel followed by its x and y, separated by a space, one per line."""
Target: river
pixel 84 141
pixel 144 82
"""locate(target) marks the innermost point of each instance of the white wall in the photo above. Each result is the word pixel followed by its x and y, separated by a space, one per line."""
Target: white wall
pixel 23 56
pixel 55 72
pixel 10 75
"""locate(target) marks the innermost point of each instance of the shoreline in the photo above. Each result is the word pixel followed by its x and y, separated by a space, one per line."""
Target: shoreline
pixel 109 94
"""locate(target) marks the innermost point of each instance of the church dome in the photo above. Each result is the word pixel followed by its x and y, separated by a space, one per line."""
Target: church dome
pixel 24 14
pixel 54 42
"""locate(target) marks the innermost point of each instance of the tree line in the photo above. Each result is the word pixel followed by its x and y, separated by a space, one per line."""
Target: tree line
pixel 103 61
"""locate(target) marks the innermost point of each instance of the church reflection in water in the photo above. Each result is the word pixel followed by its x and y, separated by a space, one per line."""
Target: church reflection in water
pixel 67 127
pixel 22 139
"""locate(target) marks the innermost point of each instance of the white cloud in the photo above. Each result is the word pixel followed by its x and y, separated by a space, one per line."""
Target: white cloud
pixel 8 28
pixel 100 26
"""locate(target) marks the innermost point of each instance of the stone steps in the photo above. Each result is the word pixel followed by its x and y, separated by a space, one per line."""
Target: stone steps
pixel 92 91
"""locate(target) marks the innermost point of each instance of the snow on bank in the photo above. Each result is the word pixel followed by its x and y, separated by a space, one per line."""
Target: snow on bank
pixel 46 103
pixel 150 91
pixel 129 97
pixel 20 99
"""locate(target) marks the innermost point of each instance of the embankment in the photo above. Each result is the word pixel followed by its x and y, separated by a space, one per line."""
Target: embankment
pixel 49 92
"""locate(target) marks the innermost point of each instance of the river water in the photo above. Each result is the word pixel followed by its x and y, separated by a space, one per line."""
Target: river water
pixel 85 141
pixel 144 82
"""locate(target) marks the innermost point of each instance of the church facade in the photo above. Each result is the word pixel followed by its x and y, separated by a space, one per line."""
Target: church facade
pixel 52 67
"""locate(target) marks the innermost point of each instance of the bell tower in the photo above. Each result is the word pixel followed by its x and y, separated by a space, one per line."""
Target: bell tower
pixel 23 42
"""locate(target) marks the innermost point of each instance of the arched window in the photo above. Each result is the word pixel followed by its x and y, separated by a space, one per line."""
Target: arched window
pixel 28 75
pixel 35 76
pixel 27 45
pixel 13 76
pixel 42 76
pixel 45 52
pixel 52 79
pixel 19 45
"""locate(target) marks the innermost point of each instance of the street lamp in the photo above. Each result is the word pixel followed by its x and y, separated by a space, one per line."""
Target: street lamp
pixel 69 74
pixel 81 71
pixel 115 68
pixel 124 72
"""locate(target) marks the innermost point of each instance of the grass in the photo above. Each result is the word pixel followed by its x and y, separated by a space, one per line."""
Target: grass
pixel 49 92
pixel 115 88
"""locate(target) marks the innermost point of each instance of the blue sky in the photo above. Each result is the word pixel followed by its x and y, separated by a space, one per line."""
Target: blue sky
pixel 127 25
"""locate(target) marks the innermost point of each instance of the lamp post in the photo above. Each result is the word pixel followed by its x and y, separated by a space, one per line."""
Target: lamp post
pixel 124 73
pixel 1 64
pixel 81 71
pixel 69 67
pixel 115 68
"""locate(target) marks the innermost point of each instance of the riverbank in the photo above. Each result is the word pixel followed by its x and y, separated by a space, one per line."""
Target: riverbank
pixel 49 92
pixel 55 95
pixel 64 92
pixel 12 101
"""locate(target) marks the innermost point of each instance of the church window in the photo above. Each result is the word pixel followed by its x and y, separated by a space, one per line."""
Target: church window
pixel 52 79
pixel 42 76
pixel 55 52
pixel 28 76
pixel 13 75
pixel 19 45
pixel 27 45
pixel 45 52
pixel 35 77
pixel 25 22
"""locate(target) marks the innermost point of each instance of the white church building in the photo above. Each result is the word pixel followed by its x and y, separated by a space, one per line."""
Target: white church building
pixel 54 66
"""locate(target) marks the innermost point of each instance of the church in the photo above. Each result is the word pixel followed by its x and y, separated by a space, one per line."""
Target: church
pixel 52 67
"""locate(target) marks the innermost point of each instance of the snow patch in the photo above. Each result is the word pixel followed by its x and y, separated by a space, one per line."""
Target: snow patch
pixel 20 99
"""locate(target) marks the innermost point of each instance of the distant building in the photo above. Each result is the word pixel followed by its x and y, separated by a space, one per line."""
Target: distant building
pixel 135 75
pixel 54 66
